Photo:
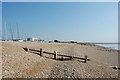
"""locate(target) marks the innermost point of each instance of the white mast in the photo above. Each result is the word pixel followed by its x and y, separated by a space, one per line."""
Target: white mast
pixel 18 36
pixel 5 32
pixel 11 32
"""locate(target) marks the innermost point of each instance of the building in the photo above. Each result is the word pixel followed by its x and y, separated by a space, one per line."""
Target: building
pixel 32 39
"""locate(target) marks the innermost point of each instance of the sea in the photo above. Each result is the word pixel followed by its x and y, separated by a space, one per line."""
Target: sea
pixel 111 45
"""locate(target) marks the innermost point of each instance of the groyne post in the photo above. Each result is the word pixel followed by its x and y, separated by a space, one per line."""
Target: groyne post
pixel 41 52
pixel 71 58
pixel 85 59
pixel 62 58
pixel 27 49
pixel 55 55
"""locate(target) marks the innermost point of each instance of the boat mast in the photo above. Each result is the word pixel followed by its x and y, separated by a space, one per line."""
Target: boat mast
pixel 11 32
pixel 18 36
pixel 5 32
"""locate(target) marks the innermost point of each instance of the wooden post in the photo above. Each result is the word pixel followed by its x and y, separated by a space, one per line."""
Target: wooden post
pixel 71 57
pixel 27 49
pixel 55 55
pixel 62 58
pixel 41 52
pixel 85 59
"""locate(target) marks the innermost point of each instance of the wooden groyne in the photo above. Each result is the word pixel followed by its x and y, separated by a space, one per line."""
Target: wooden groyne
pixel 55 54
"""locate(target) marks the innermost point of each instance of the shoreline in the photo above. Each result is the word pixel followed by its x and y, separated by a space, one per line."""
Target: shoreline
pixel 91 44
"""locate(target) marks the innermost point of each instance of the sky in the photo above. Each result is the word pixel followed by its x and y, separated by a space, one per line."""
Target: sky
pixel 0 19
pixel 78 21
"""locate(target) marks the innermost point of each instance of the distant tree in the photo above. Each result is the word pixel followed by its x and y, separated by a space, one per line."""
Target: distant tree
pixel 56 41
pixel 73 42
pixel 50 41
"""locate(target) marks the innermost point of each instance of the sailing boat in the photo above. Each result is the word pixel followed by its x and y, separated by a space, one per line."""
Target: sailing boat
pixel 18 36
pixel 4 33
